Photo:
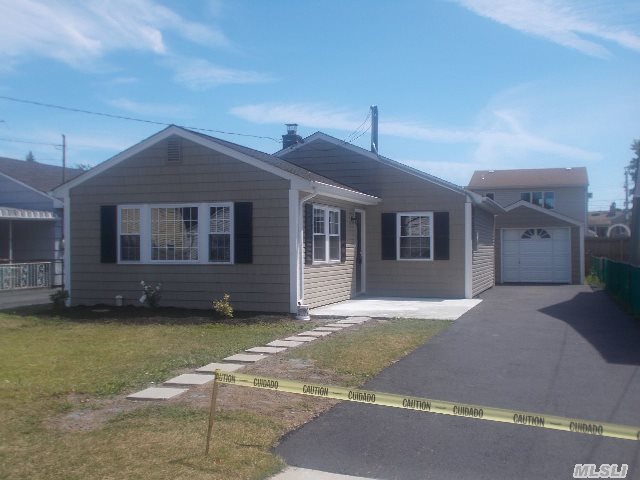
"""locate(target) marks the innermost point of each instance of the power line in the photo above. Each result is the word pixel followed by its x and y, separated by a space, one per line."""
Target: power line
pixel 348 139
pixel 131 119
pixel 30 142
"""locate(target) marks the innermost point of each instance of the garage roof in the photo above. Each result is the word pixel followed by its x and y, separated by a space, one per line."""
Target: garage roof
pixel 530 178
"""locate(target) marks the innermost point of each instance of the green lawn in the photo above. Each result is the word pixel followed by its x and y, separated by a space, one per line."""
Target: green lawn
pixel 51 368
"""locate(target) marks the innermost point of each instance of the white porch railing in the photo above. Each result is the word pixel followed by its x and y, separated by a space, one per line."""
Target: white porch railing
pixel 14 276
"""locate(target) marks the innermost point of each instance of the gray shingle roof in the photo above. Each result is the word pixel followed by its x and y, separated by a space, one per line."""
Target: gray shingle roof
pixel 40 176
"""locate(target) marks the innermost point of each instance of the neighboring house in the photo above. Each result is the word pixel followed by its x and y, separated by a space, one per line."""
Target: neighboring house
pixel 30 223
pixel 540 238
pixel 612 223
pixel 319 222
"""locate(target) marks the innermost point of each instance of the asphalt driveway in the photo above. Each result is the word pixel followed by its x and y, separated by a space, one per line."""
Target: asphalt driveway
pixel 563 350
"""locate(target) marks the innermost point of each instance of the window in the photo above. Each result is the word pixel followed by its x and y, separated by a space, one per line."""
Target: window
pixel 174 233
pixel 326 234
pixel 220 234
pixel 415 240
pixel 193 233
pixel 541 199
pixel 130 234
pixel 534 233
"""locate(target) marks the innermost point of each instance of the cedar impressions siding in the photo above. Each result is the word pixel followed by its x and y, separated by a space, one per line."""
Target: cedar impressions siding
pixel 400 191
pixel 326 283
pixel 202 175
pixel 483 263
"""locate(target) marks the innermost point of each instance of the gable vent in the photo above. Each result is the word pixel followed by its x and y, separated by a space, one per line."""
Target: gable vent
pixel 174 150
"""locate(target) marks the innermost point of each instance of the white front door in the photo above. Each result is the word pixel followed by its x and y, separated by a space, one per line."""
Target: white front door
pixel 536 255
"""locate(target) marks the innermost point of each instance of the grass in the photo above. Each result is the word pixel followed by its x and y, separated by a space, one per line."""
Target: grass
pixel 365 352
pixel 48 363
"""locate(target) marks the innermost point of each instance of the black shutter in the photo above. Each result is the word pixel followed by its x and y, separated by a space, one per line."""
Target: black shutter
pixel 308 234
pixel 108 234
pixel 343 236
pixel 441 236
pixel 243 232
pixel 388 230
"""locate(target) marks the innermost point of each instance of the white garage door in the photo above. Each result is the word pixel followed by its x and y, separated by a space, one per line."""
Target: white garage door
pixel 536 255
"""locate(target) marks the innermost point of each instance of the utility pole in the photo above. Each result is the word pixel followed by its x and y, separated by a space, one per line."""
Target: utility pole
pixel 64 157
pixel 374 129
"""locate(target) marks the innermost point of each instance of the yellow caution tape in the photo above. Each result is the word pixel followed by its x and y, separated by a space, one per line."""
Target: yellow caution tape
pixel 518 417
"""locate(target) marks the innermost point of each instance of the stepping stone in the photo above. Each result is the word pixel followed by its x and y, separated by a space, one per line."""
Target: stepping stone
pixel 327 329
pixel 337 325
pixel 244 357
pixel 157 393
pixel 225 367
pixel 266 349
pixel 300 338
pixel 190 379
pixel 284 343
pixel 315 334
pixel 355 320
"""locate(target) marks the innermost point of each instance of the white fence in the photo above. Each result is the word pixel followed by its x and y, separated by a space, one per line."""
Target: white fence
pixel 16 276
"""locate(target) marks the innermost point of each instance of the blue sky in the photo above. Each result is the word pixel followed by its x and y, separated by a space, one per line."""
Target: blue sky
pixel 460 84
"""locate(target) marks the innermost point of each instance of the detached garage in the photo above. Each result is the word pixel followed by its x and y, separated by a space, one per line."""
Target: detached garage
pixel 534 245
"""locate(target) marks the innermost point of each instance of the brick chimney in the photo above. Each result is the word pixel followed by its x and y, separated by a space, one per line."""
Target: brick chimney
pixel 292 137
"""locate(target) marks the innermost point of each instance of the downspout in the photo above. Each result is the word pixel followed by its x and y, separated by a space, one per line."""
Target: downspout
pixel 303 200
pixel 468 254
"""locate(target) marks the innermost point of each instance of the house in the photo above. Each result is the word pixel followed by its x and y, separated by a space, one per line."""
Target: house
pixel 612 223
pixel 540 237
pixel 319 222
pixel 30 223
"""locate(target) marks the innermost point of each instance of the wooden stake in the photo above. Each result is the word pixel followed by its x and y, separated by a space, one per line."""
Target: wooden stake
pixel 212 410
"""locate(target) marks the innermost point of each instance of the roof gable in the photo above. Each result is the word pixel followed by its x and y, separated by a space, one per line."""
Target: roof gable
pixel 319 136
pixel 546 211
pixel 299 177
pixel 529 178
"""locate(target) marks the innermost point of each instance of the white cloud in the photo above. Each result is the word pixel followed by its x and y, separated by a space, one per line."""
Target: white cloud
pixel 150 109
pixel 499 137
pixel 78 32
pixel 571 25
pixel 199 74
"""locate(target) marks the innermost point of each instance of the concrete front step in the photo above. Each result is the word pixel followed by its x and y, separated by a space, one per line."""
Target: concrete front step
pixel 190 379
pixel 156 393
pixel 225 367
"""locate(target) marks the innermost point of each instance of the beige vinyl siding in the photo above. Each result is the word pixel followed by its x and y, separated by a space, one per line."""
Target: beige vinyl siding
pixel 570 201
pixel 483 262
pixel 524 217
pixel 400 192
pixel 332 282
pixel 203 176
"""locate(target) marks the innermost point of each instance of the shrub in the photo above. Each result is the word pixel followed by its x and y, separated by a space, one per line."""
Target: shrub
pixel 150 295
pixel 59 298
pixel 223 306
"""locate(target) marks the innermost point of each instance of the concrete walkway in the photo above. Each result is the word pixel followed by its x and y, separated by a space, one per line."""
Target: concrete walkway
pixel 295 473
pixel 25 298
pixel 398 307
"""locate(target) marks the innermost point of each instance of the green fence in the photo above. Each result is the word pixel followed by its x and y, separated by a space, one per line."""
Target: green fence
pixel 621 279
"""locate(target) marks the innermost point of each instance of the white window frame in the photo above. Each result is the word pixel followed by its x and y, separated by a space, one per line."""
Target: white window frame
pixel 399 215
pixel 542 193
pixel 203 233
pixel 327 235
